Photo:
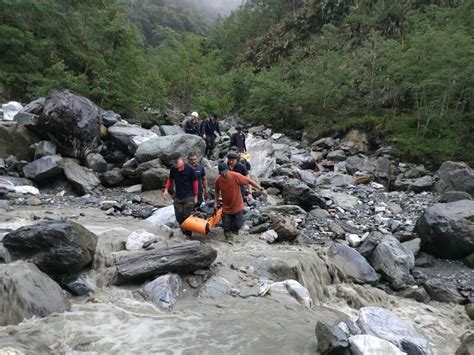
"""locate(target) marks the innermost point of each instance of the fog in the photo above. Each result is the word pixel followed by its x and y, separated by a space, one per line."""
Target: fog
pixel 209 8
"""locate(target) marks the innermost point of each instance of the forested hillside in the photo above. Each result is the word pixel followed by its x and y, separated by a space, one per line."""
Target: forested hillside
pixel 401 69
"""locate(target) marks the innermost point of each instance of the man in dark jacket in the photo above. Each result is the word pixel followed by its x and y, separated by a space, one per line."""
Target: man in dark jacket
pixel 235 166
pixel 192 126
pixel 183 177
pixel 238 140
pixel 209 130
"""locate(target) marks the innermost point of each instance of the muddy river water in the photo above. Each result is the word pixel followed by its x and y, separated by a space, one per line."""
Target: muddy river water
pixel 213 319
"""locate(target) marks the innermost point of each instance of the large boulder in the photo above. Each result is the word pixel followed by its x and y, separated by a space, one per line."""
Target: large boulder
pixel 83 180
pixel 168 130
pixel 457 176
pixel 394 261
pixel 164 147
pixel 335 179
pixel 262 157
pixel 331 339
pixel 56 247
pixel 96 162
pixel 45 148
pixel 27 292
pixel 163 290
pixel 384 324
pixel 363 344
pixel 72 121
pixel 447 229
pixel 128 137
pixel 351 265
pixel 154 179
pixel 44 168
pixel 16 139
pixel 467 346
pixel 296 192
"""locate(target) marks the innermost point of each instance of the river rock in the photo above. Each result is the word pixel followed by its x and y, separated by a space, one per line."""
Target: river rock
pixel 324 143
pixel 109 118
pixel 285 210
pixel 335 179
pixel 369 244
pixel 181 258
pixel 364 344
pixel 295 192
pixel 44 168
pixel 83 180
pixel 164 216
pixel 413 245
pixel 44 148
pixel 447 230
pixel 310 177
pixel 457 176
pixel 443 291
pixel 359 138
pixel 395 261
pixel 467 346
pixel 72 121
pixel 320 215
pixel 137 239
pixel 360 163
pixel 383 324
pixel 453 196
pixel 286 229
pixel 96 162
pixel 56 247
pixel 170 130
pixel 421 184
pixel 112 177
pixel 35 107
pixel 28 292
pixel 336 155
pixel 154 179
pixel 331 339
pixel 163 290
pixel 341 199
pixel 16 139
pixel 352 265
pixel 262 157
pixel 303 160
pixel 129 137
pixel 164 147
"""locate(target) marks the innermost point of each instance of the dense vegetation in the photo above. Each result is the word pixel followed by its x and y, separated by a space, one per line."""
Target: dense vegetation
pixel 400 68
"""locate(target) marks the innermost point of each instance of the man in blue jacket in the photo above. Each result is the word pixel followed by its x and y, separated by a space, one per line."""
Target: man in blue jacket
pixel 209 130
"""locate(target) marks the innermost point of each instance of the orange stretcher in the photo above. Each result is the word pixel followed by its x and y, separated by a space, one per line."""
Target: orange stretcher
pixel 200 225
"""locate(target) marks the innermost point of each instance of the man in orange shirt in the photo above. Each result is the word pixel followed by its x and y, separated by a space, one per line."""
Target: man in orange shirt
pixel 228 184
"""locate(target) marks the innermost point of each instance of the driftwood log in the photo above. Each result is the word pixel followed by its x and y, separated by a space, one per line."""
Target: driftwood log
pixel 181 258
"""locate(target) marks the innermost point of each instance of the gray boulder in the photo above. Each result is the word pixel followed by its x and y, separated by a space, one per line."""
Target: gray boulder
pixel 324 143
pixel 109 118
pixel 453 196
pixel 16 139
pixel 360 163
pixel 35 107
pixel 295 192
pixel 30 293
pixel 336 155
pixel 72 122
pixel 164 147
pixel 394 261
pixel 443 291
pixel 44 168
pixel 384 324
pixel 82 179
pixel 262 157
pixel 112 177
pixel 128 137
pixel 56 247
pixel 447 229
pixel 351 265
pixel 45 148
pixel 167 130
pixel 285 210
pixel 457 176
pixel 96 162
pixel 335 179
pixel 303 160
pixel 421 184
pixel 163 290
pixel 154 179
pixel 331 339
pixel 364 344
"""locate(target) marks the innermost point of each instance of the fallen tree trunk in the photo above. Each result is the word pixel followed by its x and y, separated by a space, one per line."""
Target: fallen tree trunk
pixel 181 258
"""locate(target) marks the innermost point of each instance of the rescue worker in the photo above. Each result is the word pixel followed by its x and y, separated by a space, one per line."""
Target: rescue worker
pixel 228 185
pixel 241 159
pixel 209 130
pixel 237 167
pixel 238 140
pixel 201 178
pixel 192 126
pixel 183 177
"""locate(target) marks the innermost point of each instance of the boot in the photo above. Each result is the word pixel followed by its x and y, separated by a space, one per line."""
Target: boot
pixel 229 237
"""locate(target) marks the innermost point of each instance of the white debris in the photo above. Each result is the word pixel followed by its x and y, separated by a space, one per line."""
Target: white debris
pixel 10 109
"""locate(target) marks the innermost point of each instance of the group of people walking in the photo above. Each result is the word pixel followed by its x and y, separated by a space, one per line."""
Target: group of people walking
pixel 232 186
pixel 209 130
